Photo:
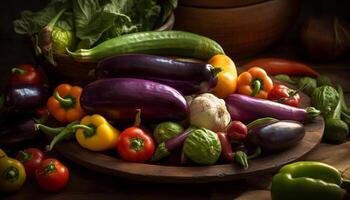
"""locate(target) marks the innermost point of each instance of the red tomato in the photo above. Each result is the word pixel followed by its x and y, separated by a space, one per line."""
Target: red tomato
pixel 52 175
pixel 31 158
pixel 135 145
pixel 283 94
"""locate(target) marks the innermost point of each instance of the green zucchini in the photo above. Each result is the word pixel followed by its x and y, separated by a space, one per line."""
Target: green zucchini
pixel 172 43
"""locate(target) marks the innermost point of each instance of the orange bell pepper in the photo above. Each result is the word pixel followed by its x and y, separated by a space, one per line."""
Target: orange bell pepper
pixel 227 78
pixel 64 105
pixel 255 82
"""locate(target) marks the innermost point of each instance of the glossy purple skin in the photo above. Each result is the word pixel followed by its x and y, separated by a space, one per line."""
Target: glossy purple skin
pixel 178 140
pixel 277 135
pixel 22 97
pixel 118 99
pixel 258 108
pixel 186 77
pixel 237 113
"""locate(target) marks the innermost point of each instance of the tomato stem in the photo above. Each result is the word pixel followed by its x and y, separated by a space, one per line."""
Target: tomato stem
pixel 25 156
pixel 18 71
pixel 256 85
pixel 65 102
pixel 50 168
pixel 89 130
pixel 136 144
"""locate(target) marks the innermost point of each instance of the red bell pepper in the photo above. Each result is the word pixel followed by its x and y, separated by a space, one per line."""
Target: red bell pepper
pixel 25 74
pixel 283 94
pixel 236 131
pixel 134 144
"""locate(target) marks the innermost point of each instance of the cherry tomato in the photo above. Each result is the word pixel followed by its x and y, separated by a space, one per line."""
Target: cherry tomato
pixel 283 94
pixel 52 175
pixel 31 159
pixel 135 145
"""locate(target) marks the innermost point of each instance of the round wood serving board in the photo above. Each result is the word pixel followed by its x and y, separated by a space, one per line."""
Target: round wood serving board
pixel 112 165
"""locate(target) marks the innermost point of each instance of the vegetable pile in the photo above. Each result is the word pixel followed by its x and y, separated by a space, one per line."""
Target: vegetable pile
pixel 150 108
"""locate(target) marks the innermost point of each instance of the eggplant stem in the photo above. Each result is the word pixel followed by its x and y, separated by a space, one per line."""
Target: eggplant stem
pixel 256 85
pixel 18 71
pixel 137 122
pixel 215 71
pixel 255 154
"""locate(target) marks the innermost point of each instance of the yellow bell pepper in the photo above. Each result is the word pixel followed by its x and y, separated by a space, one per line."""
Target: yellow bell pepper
pixel 12 174
pixel 96 134
pixel 227 78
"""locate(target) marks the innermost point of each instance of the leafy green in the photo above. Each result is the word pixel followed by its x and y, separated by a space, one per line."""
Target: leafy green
pixel 284 78
pixel 308 84
pixel 325 98
pixel 167 7
pixel 94 21
pixel 32 22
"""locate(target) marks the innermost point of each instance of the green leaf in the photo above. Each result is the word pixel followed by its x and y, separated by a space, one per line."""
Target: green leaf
pixel 92 19
pixel 167 7
pixel 32 22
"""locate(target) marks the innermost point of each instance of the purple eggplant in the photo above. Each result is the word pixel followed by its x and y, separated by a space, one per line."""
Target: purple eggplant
pixel 250 108
pixel 164 149
pixel 23 97
pixel 276 135
pixel 186 77
pixel 119 98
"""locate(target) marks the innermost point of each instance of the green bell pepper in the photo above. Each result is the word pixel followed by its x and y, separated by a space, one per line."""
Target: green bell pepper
pixel 308 180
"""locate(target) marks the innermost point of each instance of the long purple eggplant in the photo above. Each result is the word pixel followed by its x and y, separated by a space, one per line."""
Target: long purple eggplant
pixel 119 98
pixel 276 135
pixel 186 77
pixel 257 108
pixel 22 97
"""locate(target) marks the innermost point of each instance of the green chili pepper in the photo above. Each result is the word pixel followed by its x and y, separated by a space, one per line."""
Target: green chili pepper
pixel 65 134
pixel 285 78
pixel 308 180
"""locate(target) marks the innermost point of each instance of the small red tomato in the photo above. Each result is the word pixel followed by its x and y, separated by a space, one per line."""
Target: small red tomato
pixel 31 158
pixel 25 74
pixel 236 131
pixel 135 145
pixel 52 175
pixel 283 94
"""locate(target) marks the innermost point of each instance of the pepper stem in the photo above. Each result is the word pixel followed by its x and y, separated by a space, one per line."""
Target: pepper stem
pixel 256 85
pixel 11 174
pixel 136 144
pixel 24 156
pixel 65 102
pixel 18 71
pixel 293 93
pixel 214 71
pixel 89 131
pixel 137 122
pixel 241 158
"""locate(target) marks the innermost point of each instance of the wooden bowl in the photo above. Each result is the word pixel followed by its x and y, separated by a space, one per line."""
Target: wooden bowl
pixel 80 73
pixel 242 31
pixel 109 163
